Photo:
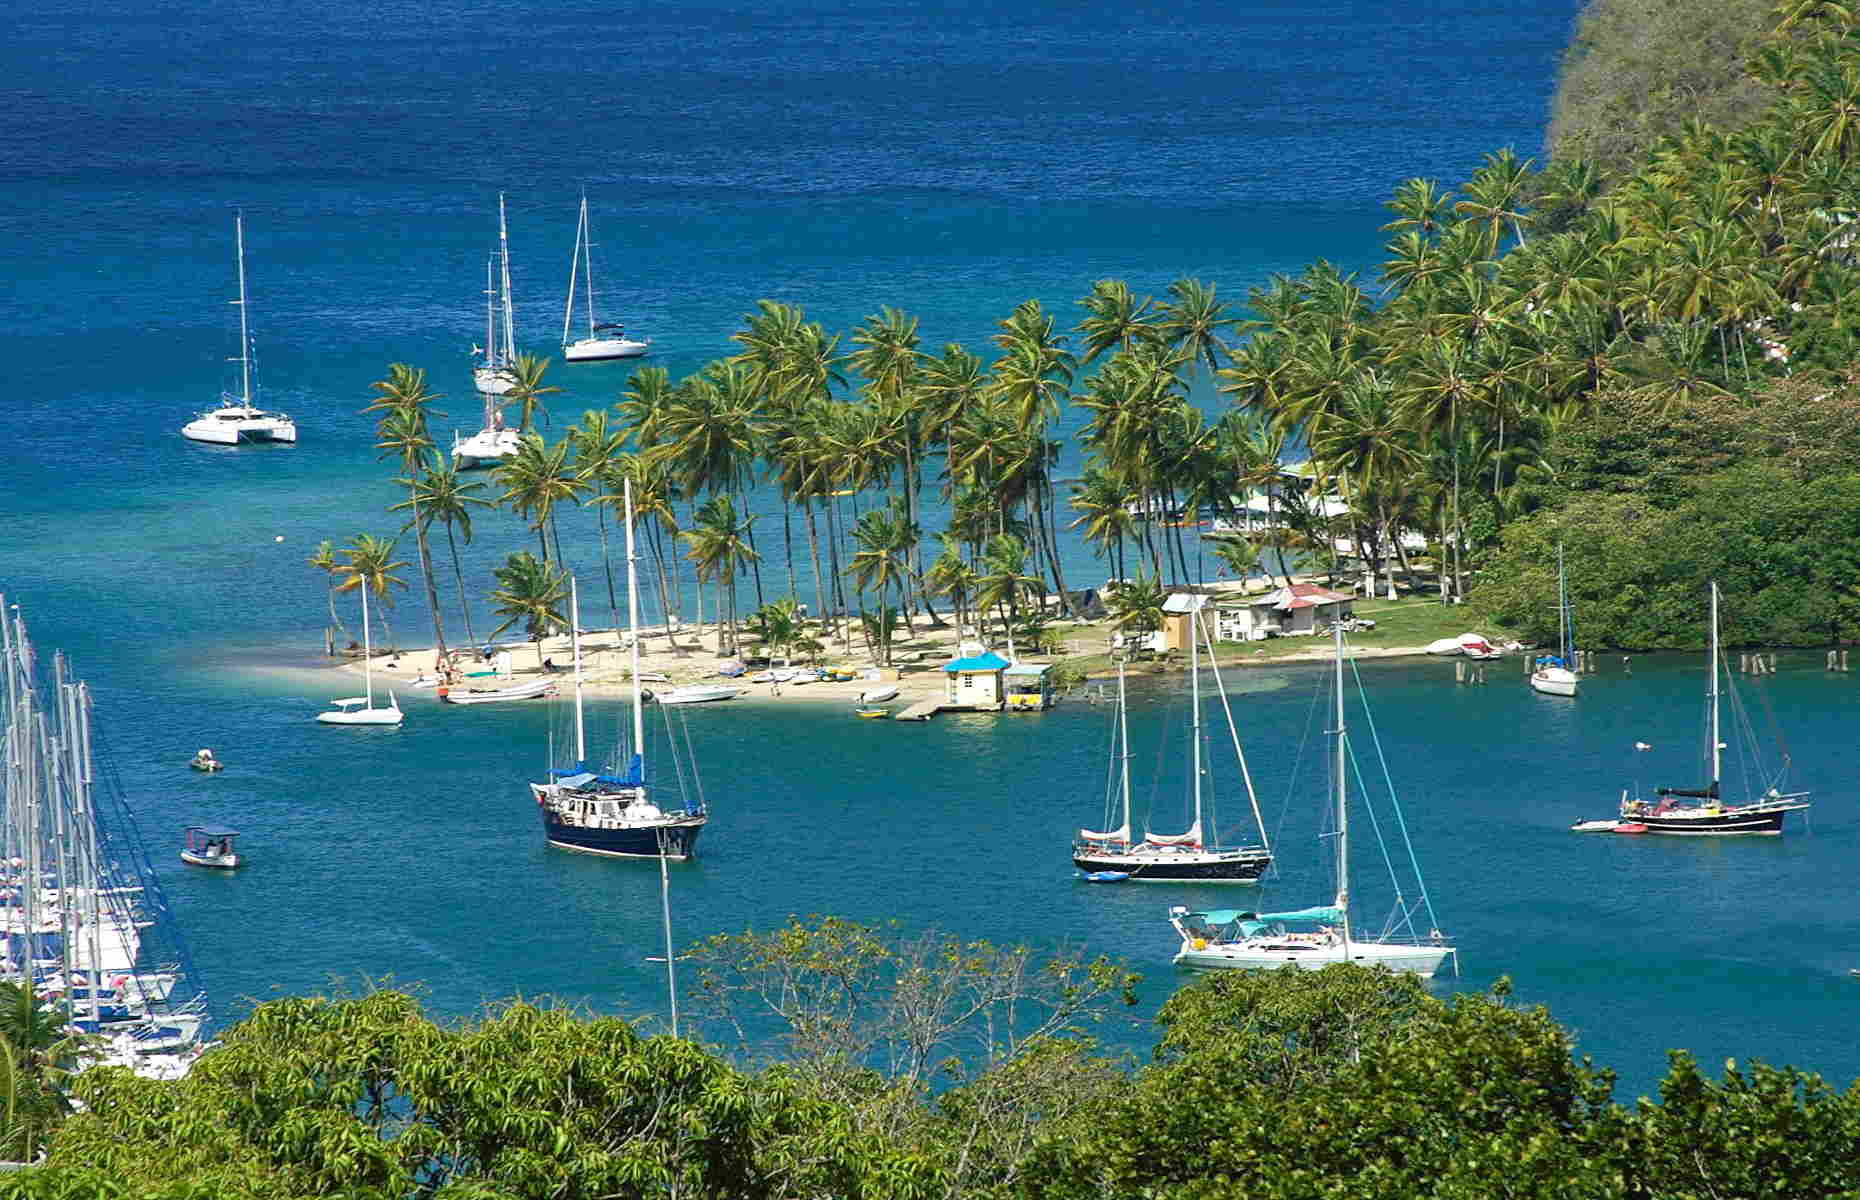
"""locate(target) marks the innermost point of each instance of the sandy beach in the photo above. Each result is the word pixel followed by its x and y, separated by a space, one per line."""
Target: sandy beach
pixel 689 656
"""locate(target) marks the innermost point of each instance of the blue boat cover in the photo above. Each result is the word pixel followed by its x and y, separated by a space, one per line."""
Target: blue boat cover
pixel 635 775
pixel 1325 912
pixel 1224 916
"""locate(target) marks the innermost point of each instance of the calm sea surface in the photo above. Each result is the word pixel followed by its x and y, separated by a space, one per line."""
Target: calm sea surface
pixel 950 159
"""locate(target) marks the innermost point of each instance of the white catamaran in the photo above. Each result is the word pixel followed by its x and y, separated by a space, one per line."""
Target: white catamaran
pixel 361 710
pixel 605 340
pixel 1189 856
pixel 1313 938
pixel 237 419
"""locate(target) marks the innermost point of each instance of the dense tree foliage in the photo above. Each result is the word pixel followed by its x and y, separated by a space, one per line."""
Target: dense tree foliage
pixel 1345 1082
pixel 1641 70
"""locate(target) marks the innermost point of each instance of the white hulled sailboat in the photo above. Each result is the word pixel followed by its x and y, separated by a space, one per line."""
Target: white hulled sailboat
pixel 496 374
pixel 237 419
pixel 1313 938
pixel 361 710
pixel 1557 676
pixel 605 340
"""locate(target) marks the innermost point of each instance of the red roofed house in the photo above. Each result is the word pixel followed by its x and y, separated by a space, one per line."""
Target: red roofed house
pixel 1289 611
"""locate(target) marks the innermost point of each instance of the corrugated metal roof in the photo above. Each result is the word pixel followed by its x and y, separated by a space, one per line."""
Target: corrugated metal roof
pixel 1030 669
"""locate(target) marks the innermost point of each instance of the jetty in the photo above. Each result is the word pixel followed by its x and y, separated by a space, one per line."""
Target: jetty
pixel 923 710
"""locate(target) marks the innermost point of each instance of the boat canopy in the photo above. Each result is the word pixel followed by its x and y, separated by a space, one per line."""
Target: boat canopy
pixel 573 779
pixel 1120 834
pixel 213 831
pixel 578 776
pixel 1324 912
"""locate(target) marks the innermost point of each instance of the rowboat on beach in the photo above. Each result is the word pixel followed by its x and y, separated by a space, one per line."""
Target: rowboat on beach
pixel 532 690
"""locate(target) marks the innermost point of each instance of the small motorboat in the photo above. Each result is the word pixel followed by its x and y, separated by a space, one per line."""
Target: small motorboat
pixel 1474 645
pixel 1444 646
pixel 203 760
pixel 1606 825
pixel 1104 876
pixel 880 694
pixel 1628 827
pixel 871 714
pixel 210 846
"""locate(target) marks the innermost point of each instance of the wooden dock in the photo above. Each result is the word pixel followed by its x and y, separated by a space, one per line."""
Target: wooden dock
pixel 923 710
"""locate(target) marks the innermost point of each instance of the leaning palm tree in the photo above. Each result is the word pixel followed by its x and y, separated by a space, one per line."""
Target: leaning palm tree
pixel 324 559
pixel 529 389
pixel 404 405
pixel 598 444
pixel 1004 580
pixel 717 545
pixel 880 563
pixel 368 561
pixel 530 590
pixel 951 576
pixel 439 494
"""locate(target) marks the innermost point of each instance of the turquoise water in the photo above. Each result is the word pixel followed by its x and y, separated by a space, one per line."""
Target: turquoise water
pixel 952 159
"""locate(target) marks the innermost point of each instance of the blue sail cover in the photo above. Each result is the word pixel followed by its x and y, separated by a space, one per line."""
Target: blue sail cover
pixel 635 775
pixel 1326 912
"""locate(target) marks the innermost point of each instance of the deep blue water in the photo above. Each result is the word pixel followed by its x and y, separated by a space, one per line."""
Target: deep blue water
pixel 949 159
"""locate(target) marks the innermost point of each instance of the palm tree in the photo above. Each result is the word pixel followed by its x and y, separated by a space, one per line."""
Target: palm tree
pixel 880 563
pixel 1237 555
pixel 716 546
pixel 779 627
pixel 529 389
pixel 369 562
pixel 1136 605
pixel 530 590
pixel 597 445
pixel 1192 320
pixel 440 495
pixel 1032 376
pixel 404 405
pixel 951 575
pixel 1004 579
pixel 889 360
pixel 1115 319
pixel 536 479
pixel 323 558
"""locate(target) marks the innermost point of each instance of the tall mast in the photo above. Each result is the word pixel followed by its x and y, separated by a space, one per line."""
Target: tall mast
pixel 632 624
pixel 490 312
pixel 1715 751
pixel 510 325
pixel 1233 731
pixel 1343 807
pixel 368 654
pixel 587 260
pixel 1194 704
pixel 574 635
pixel 1123 727
pixel 245 345
pixel 574 265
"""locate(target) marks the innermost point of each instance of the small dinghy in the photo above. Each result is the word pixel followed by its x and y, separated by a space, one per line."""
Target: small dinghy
pixel 1628 827
pixel 203 760
pixel 880 694
pixel 210 846
pixel 871 714
pixel 1606 825
pixel 1104 876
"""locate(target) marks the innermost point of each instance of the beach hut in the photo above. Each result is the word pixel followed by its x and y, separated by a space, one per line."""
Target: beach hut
pixel 1029 686
pixel 1303 607
pixel 974 682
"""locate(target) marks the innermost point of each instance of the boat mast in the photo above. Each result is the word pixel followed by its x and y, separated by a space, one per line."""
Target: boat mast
pixel 587 261
pixel 632 623
pixel 1715 750
pixel 574 265
pixel 368 656
pixel 1194 690
pixel 1343 808
pixel 245 345
pixel 574 634
pixel 510 327
pixel 1123 727
pixel 1233 731
pixel 1562 608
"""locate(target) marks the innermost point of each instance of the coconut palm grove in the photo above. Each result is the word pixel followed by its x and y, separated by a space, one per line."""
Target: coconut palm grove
pixel 1649 360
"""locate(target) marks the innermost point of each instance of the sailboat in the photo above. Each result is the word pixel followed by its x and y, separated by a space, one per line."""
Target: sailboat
pixel 496 374
pixel 361 710
pixel 605 340
pixel 613 814
pixel 237 419
pixel 1313 938
pixel 1701 812
pixel 1555 676
pixel 1187 856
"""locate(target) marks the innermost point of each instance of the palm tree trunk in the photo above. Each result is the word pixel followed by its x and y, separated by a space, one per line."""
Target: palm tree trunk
pixel 1059 572
pixel 426 573
pixel 458 576
pixel 755 564
pixel 607 565
pixel 787 541
pixel 821 600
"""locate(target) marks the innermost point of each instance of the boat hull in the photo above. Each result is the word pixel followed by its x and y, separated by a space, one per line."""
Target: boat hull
pixel 216 862
pixel 1184 866
pixel 363 716
pixel 635 841
pixel 1750 820
pixel 493 381
pixel 521 691
pixel 1424 961
pixel 1554 681
pixel 604 349
pixel 695 694
pixel 234 433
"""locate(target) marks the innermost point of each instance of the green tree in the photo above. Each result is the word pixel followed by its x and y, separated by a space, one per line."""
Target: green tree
pixel 717 545
pixel 368 561
pixel 532 591
pixel 324 559
pixel 529 389
pixel 535 480
pixel 405 405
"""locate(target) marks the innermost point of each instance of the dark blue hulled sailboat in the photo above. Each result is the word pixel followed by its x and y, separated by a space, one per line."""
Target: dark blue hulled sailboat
pixel 614 815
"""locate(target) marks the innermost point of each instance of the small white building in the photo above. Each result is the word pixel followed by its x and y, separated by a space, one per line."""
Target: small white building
pixel 1286 612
